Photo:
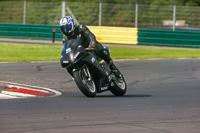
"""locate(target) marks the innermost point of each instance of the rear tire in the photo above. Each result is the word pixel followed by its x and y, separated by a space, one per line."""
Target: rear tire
pixel 120 87
pixel 87 87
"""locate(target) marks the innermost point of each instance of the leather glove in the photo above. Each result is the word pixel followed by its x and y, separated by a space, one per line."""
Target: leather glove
pixel 92 44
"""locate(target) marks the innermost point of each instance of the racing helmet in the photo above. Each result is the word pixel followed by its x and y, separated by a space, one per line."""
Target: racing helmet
pixel 67 25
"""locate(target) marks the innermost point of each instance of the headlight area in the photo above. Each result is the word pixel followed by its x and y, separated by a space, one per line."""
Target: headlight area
pixel 64 63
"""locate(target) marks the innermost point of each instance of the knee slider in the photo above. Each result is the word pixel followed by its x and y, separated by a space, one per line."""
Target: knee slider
pixel 105 52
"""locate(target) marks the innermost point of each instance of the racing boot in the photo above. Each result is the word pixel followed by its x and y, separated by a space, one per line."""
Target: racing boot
pixel 106 56
pixel 115 70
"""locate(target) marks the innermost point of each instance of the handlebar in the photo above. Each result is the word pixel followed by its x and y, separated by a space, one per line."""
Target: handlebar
pixel 89 49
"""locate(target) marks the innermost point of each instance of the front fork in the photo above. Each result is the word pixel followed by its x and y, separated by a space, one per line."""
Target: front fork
pixel 99 83
pixel 86 73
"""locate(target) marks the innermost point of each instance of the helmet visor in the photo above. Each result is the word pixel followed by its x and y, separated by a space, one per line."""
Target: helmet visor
pixel 66 29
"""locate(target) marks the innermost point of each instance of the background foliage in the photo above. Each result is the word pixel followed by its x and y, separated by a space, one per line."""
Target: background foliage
pixel 114 12
pixel 148 2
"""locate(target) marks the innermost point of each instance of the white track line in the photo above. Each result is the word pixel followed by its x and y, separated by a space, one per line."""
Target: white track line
pixel 114 60
pixel 16 94
pixel 4 96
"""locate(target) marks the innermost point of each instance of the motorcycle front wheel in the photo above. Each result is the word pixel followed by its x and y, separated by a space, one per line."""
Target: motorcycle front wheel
pixel 86 85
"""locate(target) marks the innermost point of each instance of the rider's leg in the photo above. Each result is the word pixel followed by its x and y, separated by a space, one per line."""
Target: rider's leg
pixel 105 55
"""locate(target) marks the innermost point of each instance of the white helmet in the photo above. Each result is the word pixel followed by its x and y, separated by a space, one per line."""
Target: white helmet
pixel 67 25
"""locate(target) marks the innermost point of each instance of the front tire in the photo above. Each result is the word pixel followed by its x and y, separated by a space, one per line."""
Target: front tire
pixel 86 86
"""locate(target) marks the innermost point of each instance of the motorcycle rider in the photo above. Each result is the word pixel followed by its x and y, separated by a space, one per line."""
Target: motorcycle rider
pixel 72 31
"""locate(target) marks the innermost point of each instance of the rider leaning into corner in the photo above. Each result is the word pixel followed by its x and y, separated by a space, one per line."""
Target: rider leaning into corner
pixel 71 31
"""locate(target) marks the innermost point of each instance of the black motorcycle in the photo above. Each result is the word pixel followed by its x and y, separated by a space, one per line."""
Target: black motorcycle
pixel 91 74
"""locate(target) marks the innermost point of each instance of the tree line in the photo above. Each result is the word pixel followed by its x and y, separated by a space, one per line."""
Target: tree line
pixel 114 12
pixel 148 2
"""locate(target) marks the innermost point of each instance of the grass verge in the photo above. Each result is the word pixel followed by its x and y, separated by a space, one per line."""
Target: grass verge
pixel 154 53
pixel 15 52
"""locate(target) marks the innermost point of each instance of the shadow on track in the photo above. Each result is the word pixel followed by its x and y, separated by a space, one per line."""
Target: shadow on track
pixel 125 96
pixel 79 94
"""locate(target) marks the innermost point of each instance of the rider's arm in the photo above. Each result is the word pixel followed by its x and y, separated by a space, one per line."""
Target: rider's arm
pixel 87 33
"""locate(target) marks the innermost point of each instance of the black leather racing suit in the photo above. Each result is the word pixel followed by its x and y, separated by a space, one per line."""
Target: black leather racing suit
pixel 89 40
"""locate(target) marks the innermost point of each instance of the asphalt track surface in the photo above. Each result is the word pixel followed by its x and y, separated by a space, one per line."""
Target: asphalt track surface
pixel 163 97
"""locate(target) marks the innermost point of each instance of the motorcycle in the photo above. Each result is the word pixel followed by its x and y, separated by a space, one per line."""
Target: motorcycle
pixel 92 75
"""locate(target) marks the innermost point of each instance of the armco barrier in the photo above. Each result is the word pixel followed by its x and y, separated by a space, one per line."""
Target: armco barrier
pixel 103 34
pixel 37 32
pixel 178 38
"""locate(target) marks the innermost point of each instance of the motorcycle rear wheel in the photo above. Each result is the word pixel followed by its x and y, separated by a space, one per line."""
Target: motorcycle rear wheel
pixel 86 86
pixel 120 87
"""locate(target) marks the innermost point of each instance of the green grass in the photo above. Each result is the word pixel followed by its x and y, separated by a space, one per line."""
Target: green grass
pixel 14 52
pixel 154 53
